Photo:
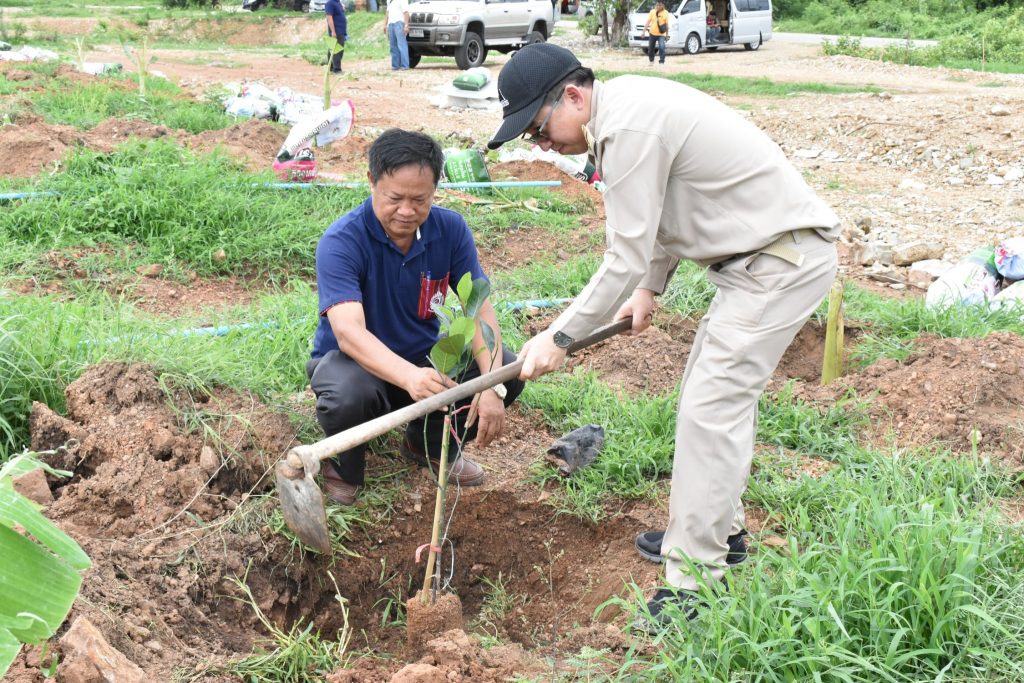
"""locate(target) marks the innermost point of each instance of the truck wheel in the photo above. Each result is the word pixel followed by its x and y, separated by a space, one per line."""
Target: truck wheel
pixel 754 45
pixel 692 44
pixel 534 37
pixel 414 59
pixel 471 53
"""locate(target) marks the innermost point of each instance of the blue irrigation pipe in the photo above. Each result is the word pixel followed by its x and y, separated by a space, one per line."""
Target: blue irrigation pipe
pixel 223 330
pixel 532 303
pixel 219 331
pixel 440 185
pixel 15 196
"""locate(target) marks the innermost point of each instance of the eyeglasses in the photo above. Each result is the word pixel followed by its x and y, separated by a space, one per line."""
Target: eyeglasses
pixel 539 136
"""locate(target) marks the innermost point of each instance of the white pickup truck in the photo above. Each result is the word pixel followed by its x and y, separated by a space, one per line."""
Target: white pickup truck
pixel 467 29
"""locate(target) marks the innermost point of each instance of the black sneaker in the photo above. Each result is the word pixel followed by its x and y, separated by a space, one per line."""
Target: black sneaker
pixel 666 608
pixel 648 544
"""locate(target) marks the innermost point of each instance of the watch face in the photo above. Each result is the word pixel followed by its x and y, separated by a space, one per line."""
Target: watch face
pixel 562 340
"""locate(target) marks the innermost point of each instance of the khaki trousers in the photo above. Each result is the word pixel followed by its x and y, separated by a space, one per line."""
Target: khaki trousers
pixel 762 302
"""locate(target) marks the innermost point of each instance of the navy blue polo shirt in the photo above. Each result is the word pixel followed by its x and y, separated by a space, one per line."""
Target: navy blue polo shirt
pixel 334 8
pixel 355 261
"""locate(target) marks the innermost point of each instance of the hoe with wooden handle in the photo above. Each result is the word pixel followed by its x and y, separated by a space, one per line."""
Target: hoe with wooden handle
pixel 301 500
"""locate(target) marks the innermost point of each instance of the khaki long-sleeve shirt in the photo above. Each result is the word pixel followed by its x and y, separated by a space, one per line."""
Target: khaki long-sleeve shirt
pixel 687 178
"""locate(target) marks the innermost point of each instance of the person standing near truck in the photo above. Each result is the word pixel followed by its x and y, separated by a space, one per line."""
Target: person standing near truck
pixel 656 30
pixel 686 177
pixel 397 30
pixel 337 26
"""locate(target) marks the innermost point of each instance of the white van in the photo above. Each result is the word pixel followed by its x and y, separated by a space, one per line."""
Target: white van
pixel 707 24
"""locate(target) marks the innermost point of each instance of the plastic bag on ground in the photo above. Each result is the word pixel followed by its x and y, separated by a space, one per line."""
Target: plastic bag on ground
pixel 98 68
pixel 1011 296
pixel 473 79
pixel 325 127
pixel 27 53
pixel 1009 258
pixel 249 107
pixel 577 449
pixel 972 281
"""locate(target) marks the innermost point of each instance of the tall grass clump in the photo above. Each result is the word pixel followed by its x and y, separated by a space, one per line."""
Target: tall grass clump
pixel 826 432
pixel 173 206
pixel 894 569
pixel 33 366
pixel 87 105
pixel 689 292
pixel 891 326
pixel 753 87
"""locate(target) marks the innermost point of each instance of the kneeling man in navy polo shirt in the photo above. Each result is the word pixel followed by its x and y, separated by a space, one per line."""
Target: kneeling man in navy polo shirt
pixel 378 269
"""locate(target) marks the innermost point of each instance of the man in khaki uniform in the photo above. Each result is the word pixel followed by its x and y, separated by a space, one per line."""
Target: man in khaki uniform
pixel 687 178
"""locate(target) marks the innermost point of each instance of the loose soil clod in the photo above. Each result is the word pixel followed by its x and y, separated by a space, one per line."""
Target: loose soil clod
pixel 424 622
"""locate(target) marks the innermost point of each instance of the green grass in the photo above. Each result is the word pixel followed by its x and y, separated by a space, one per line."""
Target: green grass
pixel 493 216
pixel 85 106
pixel 894 569
pixel 890 326
pixel 640 432
pixel 638 440
pixel 45 345
pixel 752 87
pixel 172 207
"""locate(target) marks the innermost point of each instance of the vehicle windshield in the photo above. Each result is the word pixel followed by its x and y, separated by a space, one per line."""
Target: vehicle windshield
pixel 670 5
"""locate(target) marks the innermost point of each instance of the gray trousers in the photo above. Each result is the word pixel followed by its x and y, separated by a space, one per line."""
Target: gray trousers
pixel 761 303
pixel 347 395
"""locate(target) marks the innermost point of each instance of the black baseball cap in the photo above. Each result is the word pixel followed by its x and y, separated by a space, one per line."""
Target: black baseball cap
pixel 522 84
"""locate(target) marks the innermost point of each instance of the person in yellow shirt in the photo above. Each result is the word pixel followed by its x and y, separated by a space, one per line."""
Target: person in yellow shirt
pixel 656 30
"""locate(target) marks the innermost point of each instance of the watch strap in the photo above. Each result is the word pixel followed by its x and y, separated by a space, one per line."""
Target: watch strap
pixel 562 340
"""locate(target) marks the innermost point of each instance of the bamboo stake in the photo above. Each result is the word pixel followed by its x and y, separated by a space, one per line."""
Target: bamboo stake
pixel 832 366
pixel 442 486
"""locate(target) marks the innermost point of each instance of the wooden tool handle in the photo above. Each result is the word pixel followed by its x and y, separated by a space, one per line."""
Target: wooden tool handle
pixel 350 438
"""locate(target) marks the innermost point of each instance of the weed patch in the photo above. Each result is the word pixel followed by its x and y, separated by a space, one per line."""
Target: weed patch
pixel 752 87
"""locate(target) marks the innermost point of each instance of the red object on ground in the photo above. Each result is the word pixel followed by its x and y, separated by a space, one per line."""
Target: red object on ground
pixel 296 170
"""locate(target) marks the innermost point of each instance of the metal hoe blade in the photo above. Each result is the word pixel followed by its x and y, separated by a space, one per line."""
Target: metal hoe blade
pixel 303 506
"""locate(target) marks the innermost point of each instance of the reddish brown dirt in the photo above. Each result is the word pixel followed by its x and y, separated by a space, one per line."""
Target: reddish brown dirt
pixel 574 190
pixel 958 392
pixel 170 518
pixel 253 142
pixel 167 493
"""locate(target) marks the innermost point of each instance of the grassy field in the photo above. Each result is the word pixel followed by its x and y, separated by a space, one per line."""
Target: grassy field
pixel 896 565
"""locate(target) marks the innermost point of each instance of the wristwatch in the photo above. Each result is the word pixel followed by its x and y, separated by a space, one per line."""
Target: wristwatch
pixel 500 390
pixel 562 340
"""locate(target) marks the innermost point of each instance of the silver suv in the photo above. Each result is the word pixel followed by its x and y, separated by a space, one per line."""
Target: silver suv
pixel 467 29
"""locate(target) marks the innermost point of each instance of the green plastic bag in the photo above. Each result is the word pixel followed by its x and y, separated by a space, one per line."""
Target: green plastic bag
pixel 470 81
pixel 466 166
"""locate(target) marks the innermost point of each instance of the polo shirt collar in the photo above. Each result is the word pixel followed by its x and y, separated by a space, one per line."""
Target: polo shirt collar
pixel 376 231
